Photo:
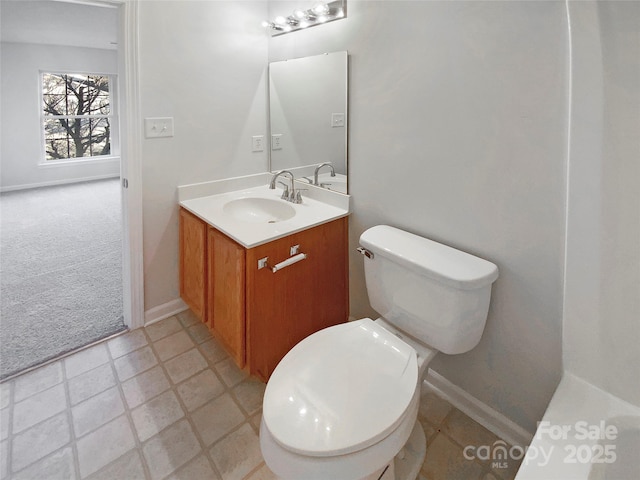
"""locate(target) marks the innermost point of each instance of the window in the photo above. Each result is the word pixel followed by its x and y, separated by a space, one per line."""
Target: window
pixel 77 115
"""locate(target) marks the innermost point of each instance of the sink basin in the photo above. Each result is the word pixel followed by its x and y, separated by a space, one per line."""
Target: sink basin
pixel 259 210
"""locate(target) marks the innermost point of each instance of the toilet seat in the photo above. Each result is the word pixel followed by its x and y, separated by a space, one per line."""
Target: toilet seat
pixel 314 406
pixel 356 465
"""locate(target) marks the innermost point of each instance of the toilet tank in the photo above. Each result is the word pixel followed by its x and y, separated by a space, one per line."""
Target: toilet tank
pixel 435 293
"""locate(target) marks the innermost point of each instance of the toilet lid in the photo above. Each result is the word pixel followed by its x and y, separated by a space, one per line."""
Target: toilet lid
pixel 340 390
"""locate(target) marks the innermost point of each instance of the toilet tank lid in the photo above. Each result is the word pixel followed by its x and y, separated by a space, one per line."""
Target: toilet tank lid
pixel 444 264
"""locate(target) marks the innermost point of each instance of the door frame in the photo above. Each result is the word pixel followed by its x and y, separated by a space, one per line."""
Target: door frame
pixel 131 164
pixel 130 158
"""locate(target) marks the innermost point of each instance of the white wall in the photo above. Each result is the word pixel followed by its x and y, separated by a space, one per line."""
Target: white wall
pixel 458 131
pixel 202 63
pixel 21 125
pixel 602 292
pixel 458 119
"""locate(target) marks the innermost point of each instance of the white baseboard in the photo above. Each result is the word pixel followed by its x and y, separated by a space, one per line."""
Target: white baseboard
pixel 486 416
pixel 163 311
pixel 52 183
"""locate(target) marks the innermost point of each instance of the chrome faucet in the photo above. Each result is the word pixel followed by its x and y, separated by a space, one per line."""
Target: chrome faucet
pixel 325 164
pixel 288 194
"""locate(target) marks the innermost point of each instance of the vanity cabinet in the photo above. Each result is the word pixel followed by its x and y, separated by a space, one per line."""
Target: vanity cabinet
pixel 259 315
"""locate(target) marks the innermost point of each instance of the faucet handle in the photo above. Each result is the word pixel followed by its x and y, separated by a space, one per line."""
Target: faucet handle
pixel 298 198
pixel 285 191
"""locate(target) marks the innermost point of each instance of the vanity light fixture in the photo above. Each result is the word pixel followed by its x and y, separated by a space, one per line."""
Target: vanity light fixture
pixel 318 14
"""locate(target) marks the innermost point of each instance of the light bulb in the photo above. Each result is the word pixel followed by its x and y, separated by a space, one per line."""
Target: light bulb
pixel 298 14
pixel 280 20
pixel 321 8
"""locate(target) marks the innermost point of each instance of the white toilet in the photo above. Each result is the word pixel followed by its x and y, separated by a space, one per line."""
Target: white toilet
pixel 343 403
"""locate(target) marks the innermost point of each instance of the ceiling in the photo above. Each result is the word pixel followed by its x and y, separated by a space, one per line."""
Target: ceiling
pixel 52 22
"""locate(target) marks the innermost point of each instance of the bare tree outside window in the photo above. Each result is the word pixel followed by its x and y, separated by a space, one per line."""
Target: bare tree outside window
pixel 76 115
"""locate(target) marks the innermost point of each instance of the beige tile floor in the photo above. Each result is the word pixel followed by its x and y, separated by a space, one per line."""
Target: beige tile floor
pixel 166 402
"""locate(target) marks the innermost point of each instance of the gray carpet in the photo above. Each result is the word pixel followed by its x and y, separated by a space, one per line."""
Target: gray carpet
pixel 60 271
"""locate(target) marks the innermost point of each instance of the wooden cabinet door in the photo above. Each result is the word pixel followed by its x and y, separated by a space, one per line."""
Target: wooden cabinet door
pixel 226 293
pixel 291 304
pixel 193 254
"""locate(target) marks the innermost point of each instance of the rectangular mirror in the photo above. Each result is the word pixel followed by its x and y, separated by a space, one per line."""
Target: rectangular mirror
pixel 308 118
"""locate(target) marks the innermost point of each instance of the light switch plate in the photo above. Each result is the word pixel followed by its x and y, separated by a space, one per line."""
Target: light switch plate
pixel 257 142
pixel 158 127
pixel 337 119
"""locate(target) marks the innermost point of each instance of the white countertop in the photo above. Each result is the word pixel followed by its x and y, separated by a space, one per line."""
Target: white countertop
pixel 310 213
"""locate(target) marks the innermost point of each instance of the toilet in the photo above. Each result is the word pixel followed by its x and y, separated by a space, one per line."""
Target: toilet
pixel 343 403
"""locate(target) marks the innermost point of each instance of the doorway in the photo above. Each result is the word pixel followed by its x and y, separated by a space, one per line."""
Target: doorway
pixel 72 185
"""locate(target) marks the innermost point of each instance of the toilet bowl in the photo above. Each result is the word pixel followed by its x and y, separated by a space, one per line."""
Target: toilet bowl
pixel 343 403
pixel 321 420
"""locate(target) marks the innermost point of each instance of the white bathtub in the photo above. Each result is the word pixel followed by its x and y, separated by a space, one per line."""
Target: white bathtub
pixel 586 434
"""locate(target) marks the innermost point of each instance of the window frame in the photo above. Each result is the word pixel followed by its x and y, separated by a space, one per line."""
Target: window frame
pixel 113 117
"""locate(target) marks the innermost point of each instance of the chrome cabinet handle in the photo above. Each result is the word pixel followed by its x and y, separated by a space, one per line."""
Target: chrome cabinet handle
pixel 264 262
pixel 288 261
